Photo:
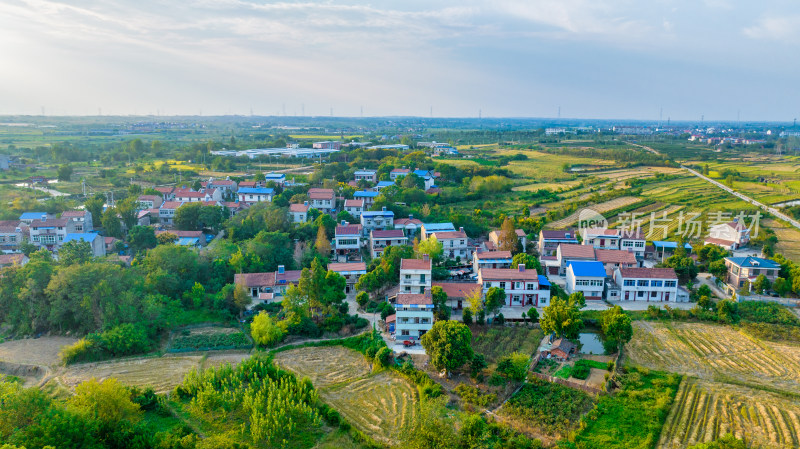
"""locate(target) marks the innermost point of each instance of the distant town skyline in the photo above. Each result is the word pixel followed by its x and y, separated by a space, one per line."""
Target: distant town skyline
pixel 605 59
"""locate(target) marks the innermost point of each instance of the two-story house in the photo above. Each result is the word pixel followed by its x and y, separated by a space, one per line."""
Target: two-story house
pixel 426 229
pixel 587 277
pixel 78 221
pixel 549 240
pixel 12 233
pixel 521 285
pixel 354 207
pixel 455 244
pixel 491 259
pixel 647 284
pixel 277 178
pixel 747 269
pixel 730 236
pixel 255 194
pixel 149 201
pixel 413 316
pixel 601 238
pixel 350 271
pixel 379 240
pixel 382 185
pixel 570 251
pixel 378 219
pixel 415 275
pixel 324 200
pixel 633 241
pixel 48 233
pixel 398 173
pixel 367 196
pixel 166 213
pixel 614 258
pixel 30 217
pixel 366 175
pixel 299 212
pixel 347 240
pixel 409 225
pixel 226 186
pixel 168 193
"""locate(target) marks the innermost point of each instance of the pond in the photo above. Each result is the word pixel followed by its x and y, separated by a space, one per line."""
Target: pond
pixel 591 343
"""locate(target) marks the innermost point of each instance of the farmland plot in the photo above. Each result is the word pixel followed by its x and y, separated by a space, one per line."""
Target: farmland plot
pixel 715 353
pixel 382 405
pixel 704 411
pixel 600 208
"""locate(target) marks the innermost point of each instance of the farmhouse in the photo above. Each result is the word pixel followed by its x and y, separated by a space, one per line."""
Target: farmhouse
pixel 350 271
pixel 458 292
pixel 567 252
pixel 587 277
pixel 299 212
pixel 354 207
pixel 367 196
pixel 409 225
pixel 48 233
pixel 382 185
pixel 414 315
pixel 549 240
pixel 255 283
pixel 30 217
pixel 379 240
pixel 366 175
pixel 149 201
pixel 491 259
pixel 225 186
pixel 454 244
pixel 429 228
pixel 520 284
pixel 78 220
pixel 398 172
pixel 277 178
pixel 742 269
pixel 18 259
pixel 166 213
pixel 647 284
pixel 730 236
pixel 561 349
pixel 602 238
pixel 380 219
pixel 96 242
pixel 12 233
pixel 347 240
pixel 613 259
pixel 255 194
pixel 324 200
pixel 415 275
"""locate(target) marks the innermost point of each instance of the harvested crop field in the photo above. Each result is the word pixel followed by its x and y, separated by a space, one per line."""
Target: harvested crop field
pixel 715 353
pixel 34 351
pixel 599 208
pixel 382 405
pixel 161 373
pixel 706 410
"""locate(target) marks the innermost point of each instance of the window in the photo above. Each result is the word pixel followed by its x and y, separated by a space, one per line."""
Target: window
pixel 639 244
pixel 653 294
pixel 530 287
pixel 670 283
pixel 408 276
pixel 404 332
pixel 422 278
pixel 518 285
pixel 516 298
pixel 656 283
pixel 641 283
pixel 503 285
pixel 487 285
pixel 629 283
pixel 640 294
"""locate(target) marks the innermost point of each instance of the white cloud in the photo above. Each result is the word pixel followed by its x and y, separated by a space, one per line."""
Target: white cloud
pixel 784 28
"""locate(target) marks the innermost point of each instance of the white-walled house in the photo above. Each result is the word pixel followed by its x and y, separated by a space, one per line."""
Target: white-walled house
pixel 324 200
pixel 587 277
pixel 426 229
pixel 568 251
pixel 255 194
pixel 398 172
pixel 521 285
pixel 730 236
pixel 415 275
pixel 628 240
pixel 455 244
pixel 350 271
pixel 48 233
pixel 166 213
pixel 354 207
pixel 78 221
pixel 299 212
pixel 366 175
pixel 347 239
pixel 379 240
pixel 549 240
pixel 491 259
pixel 647 284
pixel 409 225
pixel 277 178
pixel 378 219
pixel 367 196
pixel 414 315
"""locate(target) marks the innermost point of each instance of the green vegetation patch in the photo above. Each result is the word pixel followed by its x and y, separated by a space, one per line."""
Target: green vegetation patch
pixel 206 342
pixel 553 408
pixel 495 342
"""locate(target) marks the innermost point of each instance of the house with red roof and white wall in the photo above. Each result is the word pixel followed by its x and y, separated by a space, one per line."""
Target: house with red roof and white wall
pixel 521 285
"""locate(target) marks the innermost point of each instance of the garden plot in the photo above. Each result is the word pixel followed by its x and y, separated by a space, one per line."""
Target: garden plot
pixel 161 373
pixel 715 352
pixel 382 405
pixel 704 411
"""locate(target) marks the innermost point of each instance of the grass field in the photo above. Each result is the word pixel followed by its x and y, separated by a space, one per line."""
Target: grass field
pixel 713 352
pixel 382 405
pixel 788 238
pixel 496 341
pixel 704 411
pixel 34 351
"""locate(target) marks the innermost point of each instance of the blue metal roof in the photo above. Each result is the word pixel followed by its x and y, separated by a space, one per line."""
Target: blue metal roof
pixel 32 215
pixel 432 227
pixel 365 172
pixel 269 176
pixel 421 173
pixel 753 262
pixel 669 245
pixel 365 194
pixel 587 268
pixel 377 213
pixel 86 236
pixel 257 190
pixel 385 183
pixel 543 281
pixel 188 241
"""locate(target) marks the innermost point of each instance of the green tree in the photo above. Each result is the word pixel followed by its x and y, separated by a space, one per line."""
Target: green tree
pixel 495 299
pixel 412 181
pixel 64 172
pixel 449 345
pixel 761 284
pixel 75 252
pixel 529 261
pixel 432 247
pixel 128 210
pixel 508 239
pixel 683 265
pixel 111 223
pixel 362 298
pixel 466 316
pixel 322 244
pixel 718 269
pixel 616 326
pixel 576 300
pixel 141 238
pixel 265 330
pixel 562 319
pixel 107 401
pixel 781 286
pixel 726 441
pixel 94 206
pixel 166 238
pixel 187 217
pixel 533 315
pixel 441 311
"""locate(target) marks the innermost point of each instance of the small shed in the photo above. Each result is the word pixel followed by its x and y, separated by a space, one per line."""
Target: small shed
pixel 562 348
pixel 390 322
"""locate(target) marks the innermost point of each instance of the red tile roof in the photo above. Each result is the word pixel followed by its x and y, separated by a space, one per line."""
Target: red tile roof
pixel 509 274
pixel 414 298
pixel 450 235
pixel 615 256
pixel 254 279
pixel 648 273
pixel 388 234
pixel 458 289
pixel 189 234
pixel 354 203
pixel 494 255
pixel 407 221
pixel 73 213
pixel 558 235
pixel 299 207
pixel 721 242
pixel 352 229
pixel 171 205
pixel 573 251
pixel 12 259
pixel 415 264
pixel 350 266
pixel 49 223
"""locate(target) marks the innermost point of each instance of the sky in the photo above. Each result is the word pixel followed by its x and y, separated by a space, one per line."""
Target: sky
pixel 605 59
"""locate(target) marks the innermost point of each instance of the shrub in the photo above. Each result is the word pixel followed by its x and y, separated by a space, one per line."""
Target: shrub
pixel 472 395
pixel 580 371
pixel 265 331
pixel 514 366
pixel 383 356
pixel 466 317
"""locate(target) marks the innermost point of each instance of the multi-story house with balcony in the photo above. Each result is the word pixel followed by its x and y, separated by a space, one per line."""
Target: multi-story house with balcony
pixel 414 315
pixel 491 259
pixel 149 201
pixel 409 225
pixel 378 219
pixel 252 195
pixel 12 233
pixel 730 236
pixel 398 173
pixel 324 200
pixel 587 277
pixel 415 275
pixel 166 213
pixel 368 196
pixel 379 240
pixel 299 212
pixel 48 233
pixel 426 229
pixel 455 244
pixel 521 285
pixel 647 284
pixel 347 240
pixel 628 240
pixel 354 207
pixel 614 258
pixel 366 175
pixel 78 221
pixel 549 240
pixel 747 269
